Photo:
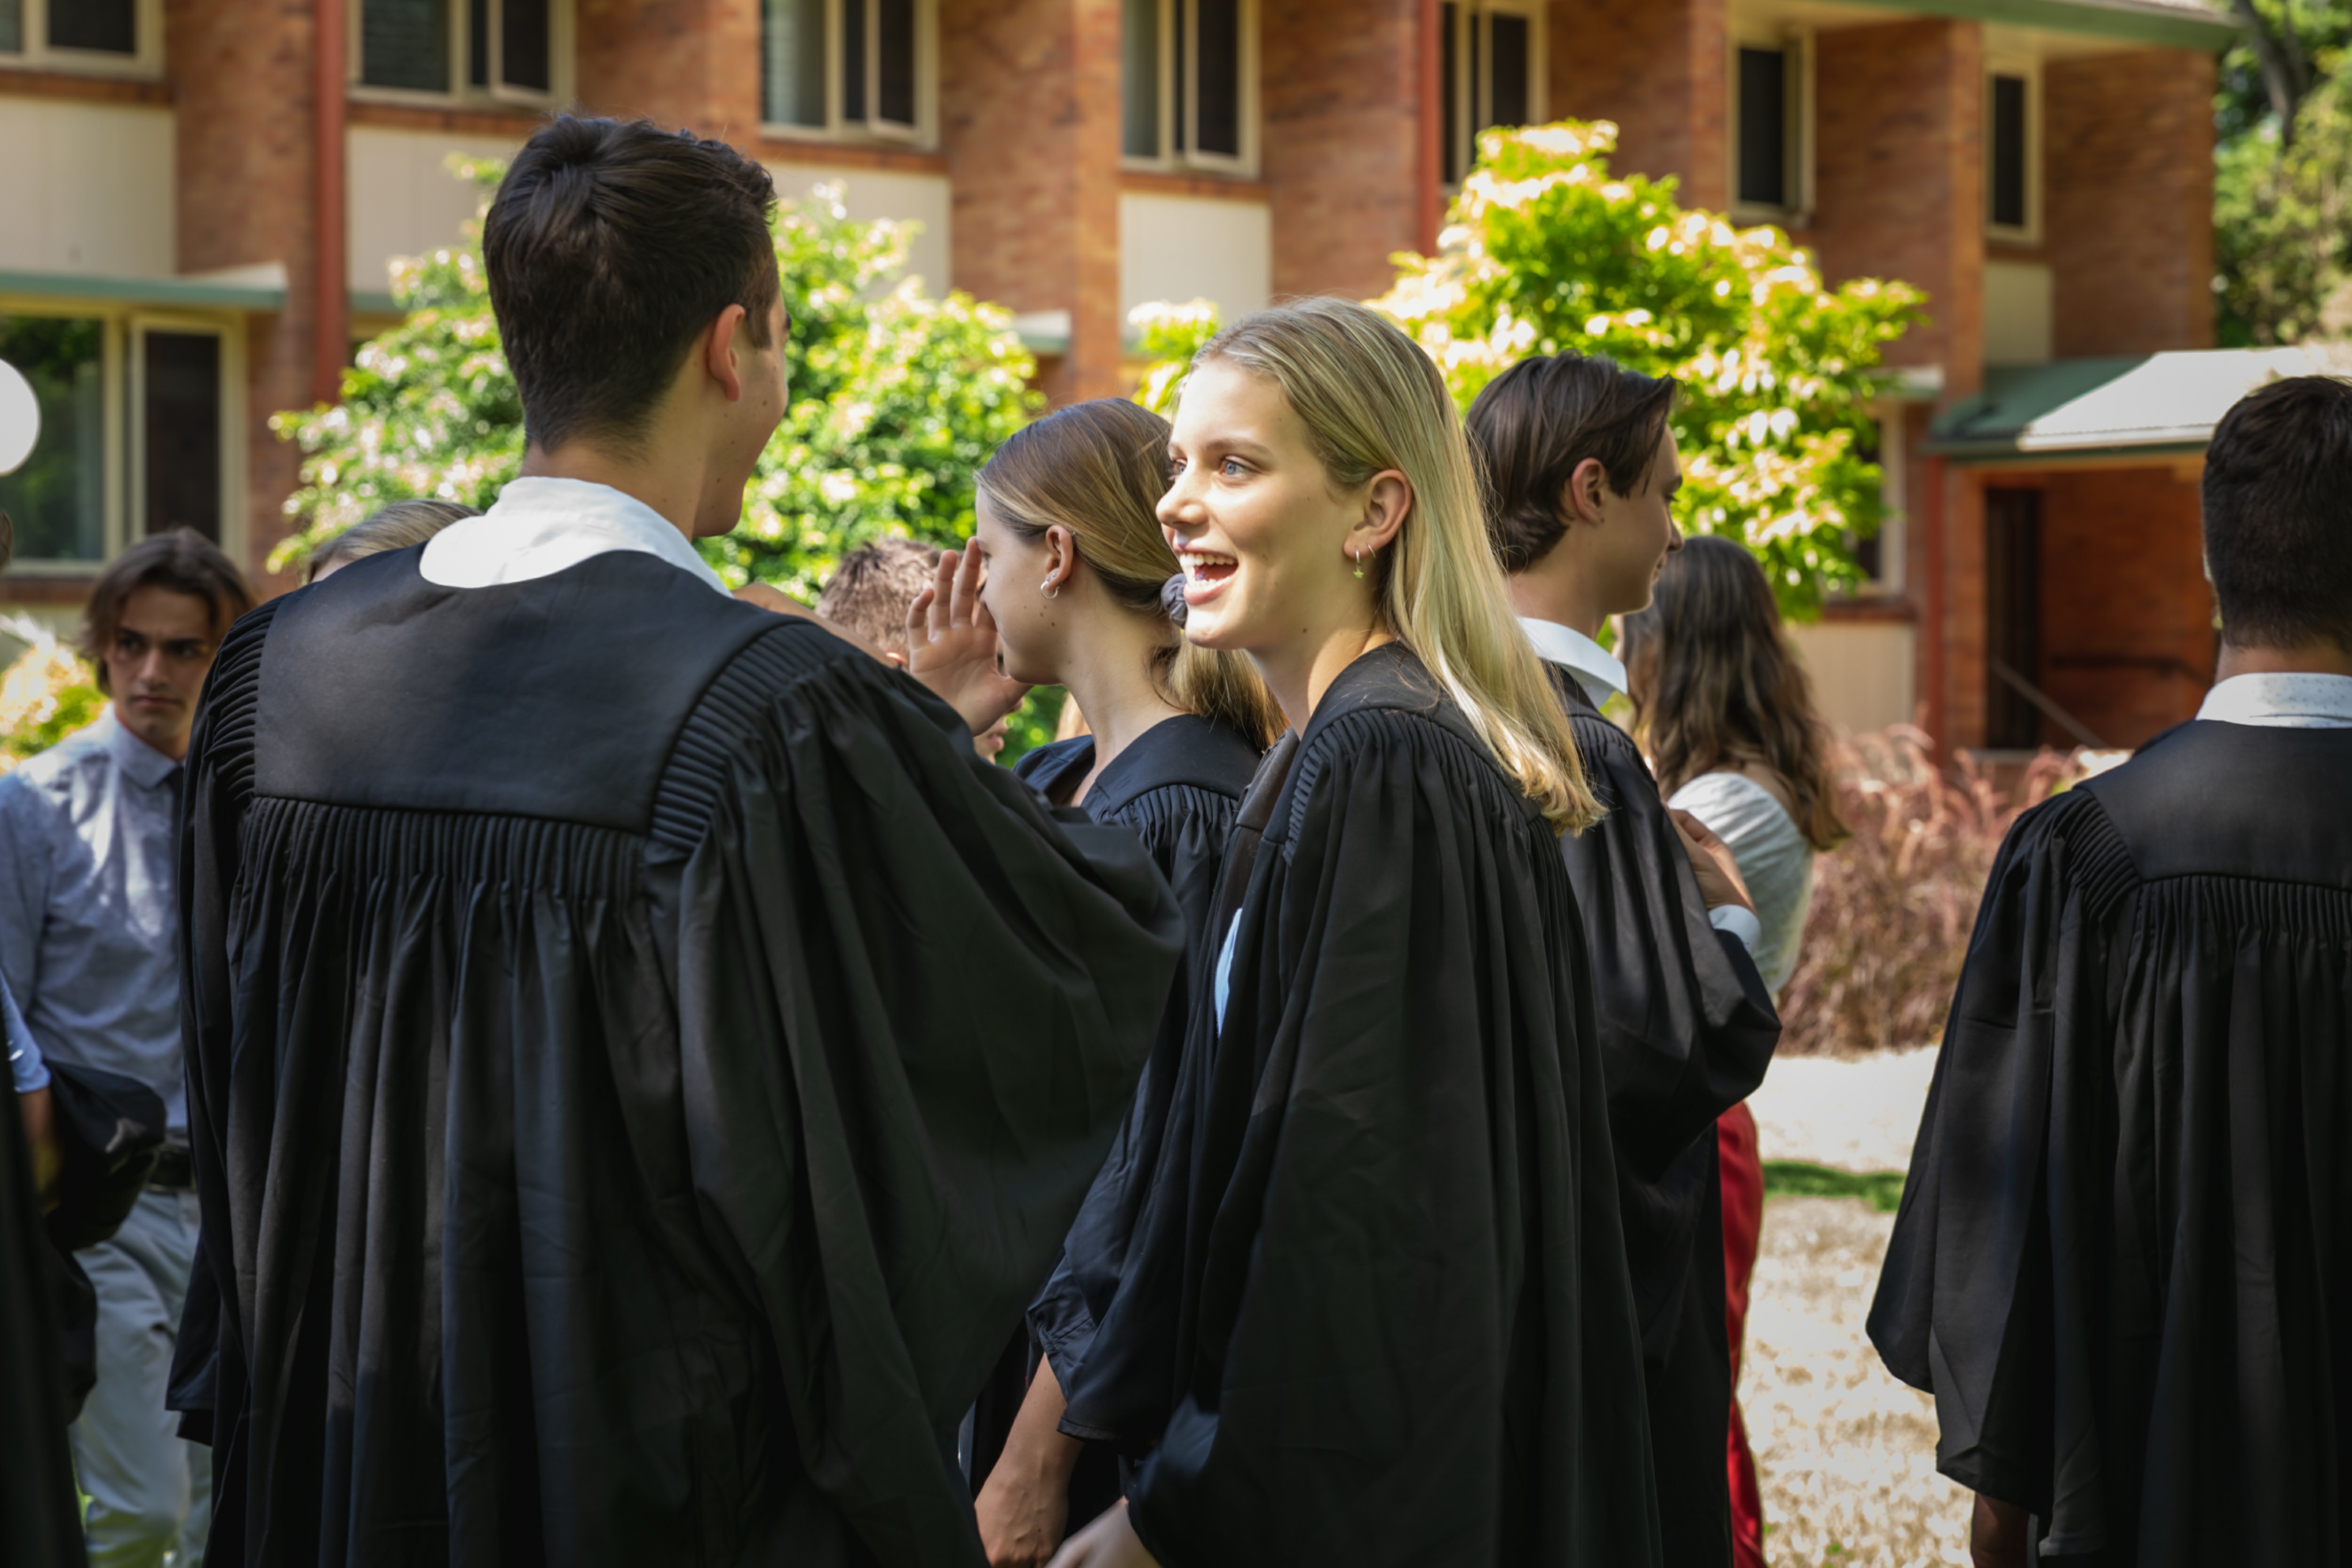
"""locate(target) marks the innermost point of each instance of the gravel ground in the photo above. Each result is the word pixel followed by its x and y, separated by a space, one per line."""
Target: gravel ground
pixel 1846 1455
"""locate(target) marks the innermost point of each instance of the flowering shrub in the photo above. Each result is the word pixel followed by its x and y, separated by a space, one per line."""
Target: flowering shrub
pixel 897 400
pixel 46 693
pixel 1894 906
pixel 1545 250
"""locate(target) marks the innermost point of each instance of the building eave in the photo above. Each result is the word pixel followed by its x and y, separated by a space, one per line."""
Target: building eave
pixel 2125 21
pixel 2154 406
pixel 182 293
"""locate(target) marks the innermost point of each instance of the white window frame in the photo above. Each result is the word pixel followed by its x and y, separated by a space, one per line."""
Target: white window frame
pixel 462 91
pixel 147 61
pixel 1474 109
pixel 136 326
pixel 2029 69
pixel 923 133
pixel 1798 43
pixel 123 402
pixel 1244 163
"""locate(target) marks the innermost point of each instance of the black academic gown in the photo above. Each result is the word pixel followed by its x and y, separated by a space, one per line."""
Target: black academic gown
pixel 1400 1329
pixel 1685 1029
pixel 1178 787
pixel 639 1061
pixel 40 1520
pixel 2124 1260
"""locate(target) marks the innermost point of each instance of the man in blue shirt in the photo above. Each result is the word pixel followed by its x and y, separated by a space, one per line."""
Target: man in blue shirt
pixel 90 949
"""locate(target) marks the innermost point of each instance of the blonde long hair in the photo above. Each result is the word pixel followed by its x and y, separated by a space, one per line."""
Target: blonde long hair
pixel 1371 400
pixel 1099 469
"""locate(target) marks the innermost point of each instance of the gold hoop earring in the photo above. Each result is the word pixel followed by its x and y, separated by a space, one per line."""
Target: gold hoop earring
pixel 1050 588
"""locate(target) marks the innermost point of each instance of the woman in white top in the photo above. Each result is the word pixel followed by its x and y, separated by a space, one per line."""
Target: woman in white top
pixel 1725 713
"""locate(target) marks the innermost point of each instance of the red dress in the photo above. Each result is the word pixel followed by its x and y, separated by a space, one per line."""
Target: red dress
pixel 1743 1215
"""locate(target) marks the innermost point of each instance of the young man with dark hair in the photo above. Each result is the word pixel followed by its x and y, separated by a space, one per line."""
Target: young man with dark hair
pixel 612 1146
pixel 1582 471
pixel 89 943
pixel 2125 1252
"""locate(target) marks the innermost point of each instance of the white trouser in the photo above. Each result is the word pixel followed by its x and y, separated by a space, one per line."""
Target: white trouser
pixel 151 1495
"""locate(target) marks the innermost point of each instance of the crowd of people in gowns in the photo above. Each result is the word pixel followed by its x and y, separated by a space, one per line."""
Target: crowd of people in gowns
pixel 643 1085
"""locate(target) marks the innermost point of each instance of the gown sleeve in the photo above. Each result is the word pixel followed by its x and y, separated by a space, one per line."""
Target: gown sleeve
pixel 1409 1334
pixel 1686 1025
pixel 912 1007
pixel 1969 1305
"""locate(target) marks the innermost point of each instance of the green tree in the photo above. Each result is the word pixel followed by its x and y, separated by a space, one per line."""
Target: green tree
pixel 1545 250
pixel 2283 173
pixel 897 399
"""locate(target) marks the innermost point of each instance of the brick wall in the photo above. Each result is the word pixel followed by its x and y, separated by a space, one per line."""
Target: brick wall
pixel 1899 177
pixel 2128 640
pixel 1029 115
pixel 242 69
pixel 1660 71
pixel 689 63
pixel 2128 161
pixel 1340 87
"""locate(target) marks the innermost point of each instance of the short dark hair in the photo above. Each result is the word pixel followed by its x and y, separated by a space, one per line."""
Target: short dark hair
pixel 868 592
pixel 2278 515
pixel 610 246
pixel 1532 425
pixel 183 561
pixel 401 525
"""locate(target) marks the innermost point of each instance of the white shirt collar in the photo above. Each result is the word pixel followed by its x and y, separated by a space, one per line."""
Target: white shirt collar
pixel 2297 701
pixel 541 526
pixel 147 767
pixel 1595 668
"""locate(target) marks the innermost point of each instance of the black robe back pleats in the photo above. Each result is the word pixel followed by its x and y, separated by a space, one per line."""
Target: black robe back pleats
pixel 640 1060
pixel 2124 1260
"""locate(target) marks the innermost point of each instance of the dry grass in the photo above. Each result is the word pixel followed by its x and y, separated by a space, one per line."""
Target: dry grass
pixel 1846 1455
pixel 1893 905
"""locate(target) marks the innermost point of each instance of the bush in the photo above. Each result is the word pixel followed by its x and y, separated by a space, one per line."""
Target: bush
pixel 1894 906
pixel 46 692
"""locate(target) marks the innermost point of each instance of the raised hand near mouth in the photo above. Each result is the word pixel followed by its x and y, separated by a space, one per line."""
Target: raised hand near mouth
pixel 951 644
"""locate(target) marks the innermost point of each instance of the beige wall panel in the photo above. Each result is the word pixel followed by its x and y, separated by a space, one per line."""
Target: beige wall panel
pixel 85 187
pixel 1863 671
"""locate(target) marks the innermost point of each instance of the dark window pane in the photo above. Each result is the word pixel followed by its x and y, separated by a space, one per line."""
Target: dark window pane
pixel 405 43
pixel 1183 120
pixel 1764 127
pixel 12 26
pixel 477 42
pixel 2012 616
pixel 183 433
pixel 1138 78
pixel 1219 127
pixel 523 45
pixel 2008 138
pixel 853 59
pixel 57 499
pixel 894 50
pixel 108 25
pixel 1449 87
pixel 792 32
pixel 1509 99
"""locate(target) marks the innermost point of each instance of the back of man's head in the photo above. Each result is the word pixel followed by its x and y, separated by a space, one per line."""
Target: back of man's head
pixel 868 592
pixel 610 246
pixel 1533 424
pixel 2278 515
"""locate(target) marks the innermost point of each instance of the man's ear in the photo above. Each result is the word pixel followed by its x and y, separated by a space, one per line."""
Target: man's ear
pixel 719 351
pixel 1579 499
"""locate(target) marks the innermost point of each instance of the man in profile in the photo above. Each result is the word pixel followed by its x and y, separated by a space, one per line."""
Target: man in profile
pixel 620 1116
pixel 2123 1259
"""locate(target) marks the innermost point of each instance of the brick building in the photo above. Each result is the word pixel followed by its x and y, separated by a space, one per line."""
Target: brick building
pixel 198 200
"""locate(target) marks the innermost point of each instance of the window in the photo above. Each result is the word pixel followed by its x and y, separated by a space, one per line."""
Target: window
pixel 82 35
pixel 1489 68
pixel 854 66
pixel 139 433
pixel 1770 165
pixel 1187 93
pixel 496 48
pixel 2012 142
pixel 2012 618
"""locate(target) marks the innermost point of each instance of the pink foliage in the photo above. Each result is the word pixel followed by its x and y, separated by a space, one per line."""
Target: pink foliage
pixel 1893 905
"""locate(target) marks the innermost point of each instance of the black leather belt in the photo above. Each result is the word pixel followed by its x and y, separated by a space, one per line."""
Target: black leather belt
pixel 174 1172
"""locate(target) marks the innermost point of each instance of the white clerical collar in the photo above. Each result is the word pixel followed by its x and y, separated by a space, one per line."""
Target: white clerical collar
pixel 2301 700
pixel 1595 668
pixel 541 526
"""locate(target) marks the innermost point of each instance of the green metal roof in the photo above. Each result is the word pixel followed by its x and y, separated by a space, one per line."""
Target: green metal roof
pixel 2176 23
pixel 2148 402
pixel 199 293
